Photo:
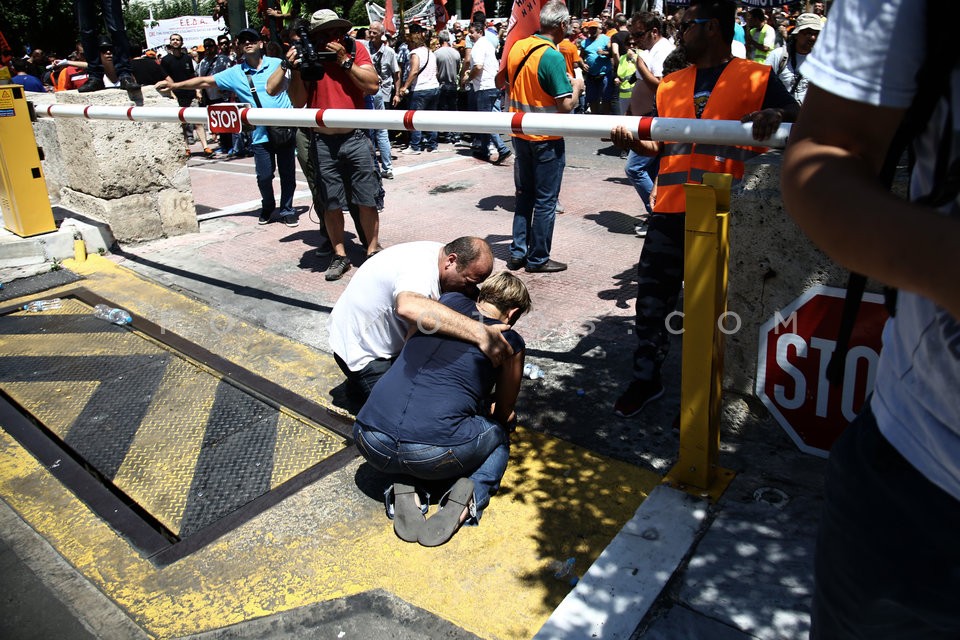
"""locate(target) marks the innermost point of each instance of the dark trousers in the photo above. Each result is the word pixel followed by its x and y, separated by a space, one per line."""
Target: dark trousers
pixel 659 279
pixel 360 383
pixel 887 564
pixel 306 156
pixel 89 23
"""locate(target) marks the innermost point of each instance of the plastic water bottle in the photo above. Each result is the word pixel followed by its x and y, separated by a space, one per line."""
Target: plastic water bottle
pixel 532 371
pixel 116 316
pixel 43 305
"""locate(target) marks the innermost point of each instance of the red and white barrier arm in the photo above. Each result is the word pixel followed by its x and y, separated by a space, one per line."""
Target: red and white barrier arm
pixel 554 124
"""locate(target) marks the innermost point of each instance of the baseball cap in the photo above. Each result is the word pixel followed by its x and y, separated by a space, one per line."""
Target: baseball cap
pixel 590 23
pixel 248 34
pixel 808 21
pixel 327 19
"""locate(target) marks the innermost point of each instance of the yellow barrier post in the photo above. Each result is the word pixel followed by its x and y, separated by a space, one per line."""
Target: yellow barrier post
pixel 704 306
pixel 23 191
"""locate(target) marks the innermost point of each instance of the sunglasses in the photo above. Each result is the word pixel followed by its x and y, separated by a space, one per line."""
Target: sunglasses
pixel 689 23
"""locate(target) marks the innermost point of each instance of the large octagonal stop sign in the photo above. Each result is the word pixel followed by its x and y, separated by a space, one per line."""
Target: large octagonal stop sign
pixel 795 348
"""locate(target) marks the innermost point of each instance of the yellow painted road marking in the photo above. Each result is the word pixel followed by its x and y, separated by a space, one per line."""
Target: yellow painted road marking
pixel 331 539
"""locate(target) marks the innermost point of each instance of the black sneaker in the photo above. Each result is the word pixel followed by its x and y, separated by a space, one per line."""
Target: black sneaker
pixel 387 174
pixel 129 83
pixel 516 263
pixel 638 395
pixel 264 217
pixel 503 156
pixel 91 85
pixel 290 220
pixel 338 266
pixel 640 228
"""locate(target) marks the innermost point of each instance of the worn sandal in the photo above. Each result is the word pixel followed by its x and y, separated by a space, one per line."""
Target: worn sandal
pixel 388 499
pixel 408 516
pixel 441 526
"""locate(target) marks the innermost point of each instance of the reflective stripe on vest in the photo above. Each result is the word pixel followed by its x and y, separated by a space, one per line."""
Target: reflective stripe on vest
pixel 739 90
pixel 526 94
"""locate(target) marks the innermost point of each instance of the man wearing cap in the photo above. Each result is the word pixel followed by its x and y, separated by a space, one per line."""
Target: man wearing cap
pixel 786 60
pixel 346 165
pixel 255 70
pixel 595 51
pixel 716 87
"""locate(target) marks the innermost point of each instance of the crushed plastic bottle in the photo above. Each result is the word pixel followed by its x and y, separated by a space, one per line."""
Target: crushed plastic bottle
pixel 532 371
pixel 116 316
pixel 43 305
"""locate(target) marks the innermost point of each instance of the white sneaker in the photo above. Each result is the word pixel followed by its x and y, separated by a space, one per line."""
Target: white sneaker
pixel 640 228
pixel 492 154
pixel 410 151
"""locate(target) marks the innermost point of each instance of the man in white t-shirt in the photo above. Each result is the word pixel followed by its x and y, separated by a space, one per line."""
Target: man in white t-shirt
pixel 396 290
pixel 887 563
pixel 647 30
pixel 483 93
pixel 786 60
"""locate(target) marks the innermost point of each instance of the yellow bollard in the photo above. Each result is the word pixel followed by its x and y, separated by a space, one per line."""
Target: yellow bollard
pixel 23 191
pixel 79 248
pixel 706 254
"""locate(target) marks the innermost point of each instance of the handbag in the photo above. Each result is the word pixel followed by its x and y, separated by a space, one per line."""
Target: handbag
pixel 277 137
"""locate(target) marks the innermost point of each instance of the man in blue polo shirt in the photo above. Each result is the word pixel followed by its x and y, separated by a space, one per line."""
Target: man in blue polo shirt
pixel 256 68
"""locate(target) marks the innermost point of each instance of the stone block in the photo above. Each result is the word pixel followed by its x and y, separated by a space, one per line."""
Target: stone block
pixel 130 175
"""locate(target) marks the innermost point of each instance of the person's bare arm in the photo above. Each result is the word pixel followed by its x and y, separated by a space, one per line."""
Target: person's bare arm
pixel 646 75
pixel 431 316
pixel 507 389
pixel 569 103
pixel 200 82
pixel 830 188
pixel 411 78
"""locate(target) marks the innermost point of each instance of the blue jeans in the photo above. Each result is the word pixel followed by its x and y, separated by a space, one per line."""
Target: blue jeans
pixel 424 100
pixel 642 171
pixel 484 458
pixel 380 137
pixel 537 174
pixel 283 161
pixel 485 101
pixel 448 102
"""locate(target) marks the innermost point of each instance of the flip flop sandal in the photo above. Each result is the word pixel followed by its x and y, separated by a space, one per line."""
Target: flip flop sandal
pixel 441 526
pixel 388 499
pixel 408 516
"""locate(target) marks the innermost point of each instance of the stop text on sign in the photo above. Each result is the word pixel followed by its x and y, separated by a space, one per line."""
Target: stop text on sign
pixel 796 346
pixel 224 118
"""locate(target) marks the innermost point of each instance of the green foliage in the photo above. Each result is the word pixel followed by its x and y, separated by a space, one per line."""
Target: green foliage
pixel 358 13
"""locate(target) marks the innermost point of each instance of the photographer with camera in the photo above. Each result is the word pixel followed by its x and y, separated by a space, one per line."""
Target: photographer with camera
pixel 329 71
pixel 244 79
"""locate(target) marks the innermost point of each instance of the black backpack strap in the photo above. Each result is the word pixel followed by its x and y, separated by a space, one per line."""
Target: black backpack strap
pixel 525 58
pixel 932 85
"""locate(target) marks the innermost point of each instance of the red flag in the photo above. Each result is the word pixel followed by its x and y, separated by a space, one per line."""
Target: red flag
pixel 617 7
pixel 440 14
pixel 388 25
pixel 477 8
pixel 524 22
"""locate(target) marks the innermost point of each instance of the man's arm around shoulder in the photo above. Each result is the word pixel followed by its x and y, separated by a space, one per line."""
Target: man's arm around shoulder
pixel 431 316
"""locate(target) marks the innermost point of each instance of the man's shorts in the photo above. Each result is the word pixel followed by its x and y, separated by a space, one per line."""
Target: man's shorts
pixel 346 170
pixel 185 98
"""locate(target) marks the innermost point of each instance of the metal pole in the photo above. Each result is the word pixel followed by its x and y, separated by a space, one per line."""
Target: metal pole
pixel 723 132
pixel 704 306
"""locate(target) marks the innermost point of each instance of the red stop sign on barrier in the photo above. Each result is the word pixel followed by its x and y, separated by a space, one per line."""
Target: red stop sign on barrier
pixel 223 118
pixel 795 347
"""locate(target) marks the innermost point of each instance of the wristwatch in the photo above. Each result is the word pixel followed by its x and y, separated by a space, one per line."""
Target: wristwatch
pixel 284 65
pixel 346 64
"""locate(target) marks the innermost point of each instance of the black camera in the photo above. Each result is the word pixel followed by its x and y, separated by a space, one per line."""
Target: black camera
pixel 312 60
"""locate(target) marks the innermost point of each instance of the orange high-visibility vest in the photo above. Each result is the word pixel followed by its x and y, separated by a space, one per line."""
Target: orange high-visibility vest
pixel 526 94
pixel 739 91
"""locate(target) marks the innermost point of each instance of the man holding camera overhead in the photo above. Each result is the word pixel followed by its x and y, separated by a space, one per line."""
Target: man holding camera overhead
pixel 329 71
pixel 243 79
